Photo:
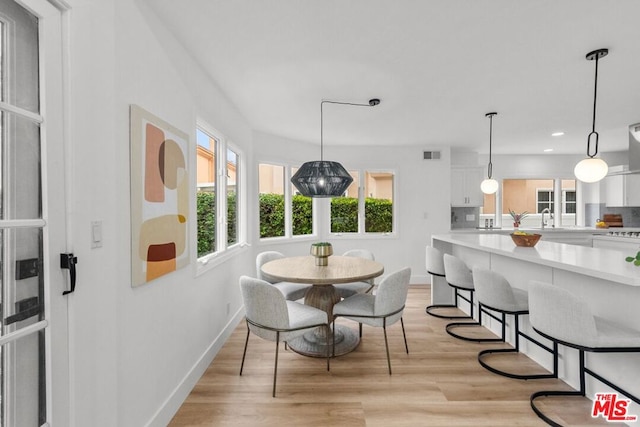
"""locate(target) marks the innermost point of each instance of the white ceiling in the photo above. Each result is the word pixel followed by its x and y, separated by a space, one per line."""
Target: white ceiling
pixel 437 65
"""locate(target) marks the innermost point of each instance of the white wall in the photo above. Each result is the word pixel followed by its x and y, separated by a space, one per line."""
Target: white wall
pixel 133 350
pixel 543 165
pixel 93 337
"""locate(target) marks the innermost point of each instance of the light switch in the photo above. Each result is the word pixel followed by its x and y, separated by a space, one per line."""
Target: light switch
pixel 96 234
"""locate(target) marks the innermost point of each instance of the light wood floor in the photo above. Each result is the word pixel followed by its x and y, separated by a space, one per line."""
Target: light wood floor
pixel 439 383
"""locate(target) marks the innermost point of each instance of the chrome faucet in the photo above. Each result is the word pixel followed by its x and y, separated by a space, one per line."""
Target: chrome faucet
pixel 544 211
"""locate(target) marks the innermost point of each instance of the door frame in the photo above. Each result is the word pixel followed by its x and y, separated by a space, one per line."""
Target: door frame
pixel 53 62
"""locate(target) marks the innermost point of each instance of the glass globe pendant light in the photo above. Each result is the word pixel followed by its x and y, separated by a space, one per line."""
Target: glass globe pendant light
pixel 593 169
pixel 489 185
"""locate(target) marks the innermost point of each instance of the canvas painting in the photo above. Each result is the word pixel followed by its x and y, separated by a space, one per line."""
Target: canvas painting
pixel 159 197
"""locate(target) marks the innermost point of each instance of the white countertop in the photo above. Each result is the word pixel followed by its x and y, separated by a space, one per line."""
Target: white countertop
pixel 602 263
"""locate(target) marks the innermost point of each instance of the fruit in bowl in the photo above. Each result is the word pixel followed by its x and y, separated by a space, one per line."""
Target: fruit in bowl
pixel 524 239
pixel 601 224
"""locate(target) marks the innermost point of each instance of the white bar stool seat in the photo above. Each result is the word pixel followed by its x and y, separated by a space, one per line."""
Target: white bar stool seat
pixel 495 293
pixel 435 266
pixel 566 319
pixel 460 277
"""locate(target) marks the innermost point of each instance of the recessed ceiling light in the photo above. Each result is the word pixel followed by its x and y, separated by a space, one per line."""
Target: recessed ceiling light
pixel 557 134
pixel 548 150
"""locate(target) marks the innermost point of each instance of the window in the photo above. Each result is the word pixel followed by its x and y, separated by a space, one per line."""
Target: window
pixel 218 186
pixel 544 200
pixel 535 195
pixel 344 210
pixel 369 210
pixel 378 206
pixel 569 202
pixel 301 211
pixel 271 204
pixel 206 196
pixel 282 213
pixel 232 197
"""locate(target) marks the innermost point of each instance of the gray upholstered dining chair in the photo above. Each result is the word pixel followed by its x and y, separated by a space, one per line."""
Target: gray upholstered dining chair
pixel 347 289
pixel 271 317
pixel 291 291
pixel 380 310
pixel 566 319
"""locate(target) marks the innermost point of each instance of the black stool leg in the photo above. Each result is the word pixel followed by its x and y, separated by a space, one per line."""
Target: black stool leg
pixel 578 393
pixel 516 349
pixel 430 308
pixel 449 328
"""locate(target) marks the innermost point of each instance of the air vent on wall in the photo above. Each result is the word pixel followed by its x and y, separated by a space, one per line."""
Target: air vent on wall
pixel 431 155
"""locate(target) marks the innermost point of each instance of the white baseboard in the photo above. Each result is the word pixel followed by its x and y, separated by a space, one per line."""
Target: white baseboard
pixel 420 279
pixel 170 406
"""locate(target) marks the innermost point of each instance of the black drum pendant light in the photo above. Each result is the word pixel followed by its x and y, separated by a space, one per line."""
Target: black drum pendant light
pixel 323 178
pixel 593 169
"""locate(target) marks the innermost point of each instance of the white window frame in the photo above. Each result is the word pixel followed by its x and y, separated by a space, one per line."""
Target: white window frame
pixel 551 200
pixel 565 203
pixel 361 233
pixel 288 206
pixel 223 251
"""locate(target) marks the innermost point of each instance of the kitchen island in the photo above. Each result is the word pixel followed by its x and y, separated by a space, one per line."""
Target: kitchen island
pixel 609 285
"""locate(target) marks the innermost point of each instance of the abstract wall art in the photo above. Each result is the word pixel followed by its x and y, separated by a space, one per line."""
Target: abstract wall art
pixel 159 197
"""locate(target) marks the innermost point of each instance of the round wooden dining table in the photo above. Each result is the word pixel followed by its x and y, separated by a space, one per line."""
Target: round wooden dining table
pixel 323 295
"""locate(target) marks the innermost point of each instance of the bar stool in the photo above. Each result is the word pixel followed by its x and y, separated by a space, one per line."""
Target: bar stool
pixel 460 277
pixel 495 293
pixel 562 317
pixel 435 267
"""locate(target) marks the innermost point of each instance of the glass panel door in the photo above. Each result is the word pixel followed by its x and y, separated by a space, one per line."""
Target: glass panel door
pixel 23 397
pixel 26 301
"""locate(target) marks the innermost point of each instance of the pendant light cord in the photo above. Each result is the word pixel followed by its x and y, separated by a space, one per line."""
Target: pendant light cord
pixel 593 123
pixel 372 103
pixel 490 166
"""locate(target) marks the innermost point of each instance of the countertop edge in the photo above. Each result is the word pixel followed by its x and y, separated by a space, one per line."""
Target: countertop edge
pixel 525 254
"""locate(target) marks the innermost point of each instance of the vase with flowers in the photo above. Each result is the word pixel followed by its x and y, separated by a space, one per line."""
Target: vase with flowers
pixel 517 218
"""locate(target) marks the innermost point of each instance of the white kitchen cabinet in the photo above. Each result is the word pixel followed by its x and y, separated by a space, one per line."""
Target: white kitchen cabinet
pixel 622 190
pixel 465 186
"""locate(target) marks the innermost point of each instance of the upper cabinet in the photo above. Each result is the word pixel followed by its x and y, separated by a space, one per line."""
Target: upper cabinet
pixel 622 190
pixel 465 186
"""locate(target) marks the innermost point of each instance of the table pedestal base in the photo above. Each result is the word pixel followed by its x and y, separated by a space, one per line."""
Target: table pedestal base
pixel 316 343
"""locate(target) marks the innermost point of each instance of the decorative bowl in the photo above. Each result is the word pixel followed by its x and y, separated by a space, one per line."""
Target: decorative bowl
pixel 525 240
